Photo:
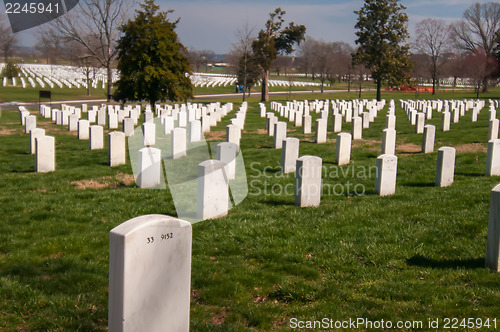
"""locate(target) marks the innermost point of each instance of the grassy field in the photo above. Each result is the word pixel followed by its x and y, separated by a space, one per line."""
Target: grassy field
pixel 416 255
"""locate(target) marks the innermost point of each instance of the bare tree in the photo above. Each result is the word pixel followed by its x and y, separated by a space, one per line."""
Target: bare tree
pixel 49 44
pixel 433 40
pixel 478 31
pixel 8 39
pixel 200 58
pixel 306 54
pixel 95 24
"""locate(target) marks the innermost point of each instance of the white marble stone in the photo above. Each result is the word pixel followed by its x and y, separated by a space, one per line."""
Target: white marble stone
pixel 213 190
pixel 34 133
pixel 419 126
pixel 389 141
pixel 289 154
pixel 279 134
pixel 83 129
pixel 112 120
pixel 428 138
pixel 179 144
pixel 385 179
pixel 343 149
pixel 308 181
pixel 227 152
pixel 321 130
pixel 445 121
pixel 306 124
pixel 149 168
pixel 96 137
pixel 30 123
pixel 73 122
pixel 390 121
pixel 445 169
pixel 149 133
pixel 233 134
pixel 45 154
pixel 493 158
pixel 493 129
pixel 150 275
pixel 493 240
pixel 128 127
pixel 357 128
pixel 117 149
pixel 168 125
pixel 337 123
pixel 195 131
pixel 101 117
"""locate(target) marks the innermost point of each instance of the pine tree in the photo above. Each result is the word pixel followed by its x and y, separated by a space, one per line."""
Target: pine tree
pixel 382 34
pixel 152 62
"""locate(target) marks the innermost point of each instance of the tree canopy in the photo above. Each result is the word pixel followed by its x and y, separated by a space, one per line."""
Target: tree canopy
pixel 152 62
pixel 381 36
pixel 275 39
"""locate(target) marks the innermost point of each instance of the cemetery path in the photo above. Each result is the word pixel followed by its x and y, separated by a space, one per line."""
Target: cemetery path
pixel 207 96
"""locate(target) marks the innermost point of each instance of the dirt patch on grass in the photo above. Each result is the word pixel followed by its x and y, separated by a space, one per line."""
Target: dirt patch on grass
pixel 258 131
pixel 218 319
pixel 471 148
pixel 215 135
pixel 408 148
pixel 119 180
pixel 10 131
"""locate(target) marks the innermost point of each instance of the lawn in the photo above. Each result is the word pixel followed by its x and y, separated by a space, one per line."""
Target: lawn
pixel 413 256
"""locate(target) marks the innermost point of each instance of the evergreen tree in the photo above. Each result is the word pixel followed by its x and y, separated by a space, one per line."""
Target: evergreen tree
pixel 152 62
pixel 274 40
pixel 382 33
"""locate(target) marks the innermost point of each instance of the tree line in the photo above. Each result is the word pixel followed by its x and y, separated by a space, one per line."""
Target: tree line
pixel 102 33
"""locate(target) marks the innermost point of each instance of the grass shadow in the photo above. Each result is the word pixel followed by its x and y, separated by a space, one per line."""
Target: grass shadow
pixel 420 184
pixel 470 174
pixel 421 261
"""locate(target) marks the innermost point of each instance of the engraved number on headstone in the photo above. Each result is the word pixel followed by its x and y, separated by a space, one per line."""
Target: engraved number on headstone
pixel 151 240
pixel 167 236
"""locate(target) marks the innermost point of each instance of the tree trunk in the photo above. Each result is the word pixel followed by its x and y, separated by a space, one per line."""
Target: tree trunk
pixel 485 84
pixel 379 86
pixel 433 86
pixel 265 87
pixel 110 82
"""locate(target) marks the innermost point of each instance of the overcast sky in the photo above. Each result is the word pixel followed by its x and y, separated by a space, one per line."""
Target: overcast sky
pixel 213 24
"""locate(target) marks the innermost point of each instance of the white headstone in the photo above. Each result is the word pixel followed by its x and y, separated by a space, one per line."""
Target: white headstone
pixel 493 158
pixel 150 275
pixel 149 167
pixel 73 122
pixel 308 181
pixel 149 133
pixel 493 241
pixel 289 154
pixel 128 127
pixel 337 123
pixel 343 150
pixel 30 123
pixel 279 134
pixel 428 138
pixel 45 154
pixel 493 129
pixel 389 141
pixel 179 144
pixel 226 152
pixel 445 169
pixel 419 126
pixel 195 131
pixel 321 130
pixel 83 129
pixel 357 128
pixel 116 148
pixel 213 190
pixel 306 124
pixel 233 134
pixel 96 137
pixel 34 133
pixel 445 121
pixel 385 179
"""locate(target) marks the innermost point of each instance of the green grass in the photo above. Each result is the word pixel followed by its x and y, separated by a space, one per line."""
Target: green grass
pixel 416 255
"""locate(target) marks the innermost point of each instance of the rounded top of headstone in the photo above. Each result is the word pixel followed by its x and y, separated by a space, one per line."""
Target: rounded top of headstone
pixel 150 220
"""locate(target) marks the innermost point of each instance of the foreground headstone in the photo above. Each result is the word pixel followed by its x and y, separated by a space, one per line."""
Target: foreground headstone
pixel 128 127
pixel 343 150
pixel 308 181
pixel 149 168
pixel 149 133
pixel 428 139
pixel 445 122
pixel 150 275
pixel 306 124
pixel 289 154
pixel 96 137
pixel 29 123
pixel 385 179
pixel 419 126
pixel 493 241
pixel 357 127
pixel 493 158
pixel 116 148
pixel 45 154
pixel 226 152
pixel 493 129
pixel 213 190
pixel 445 169
pixel 73 122
pixel 34 133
